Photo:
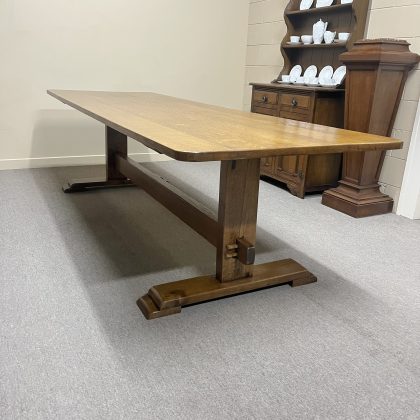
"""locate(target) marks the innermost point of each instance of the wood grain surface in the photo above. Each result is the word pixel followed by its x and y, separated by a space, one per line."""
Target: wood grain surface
pixel 191 131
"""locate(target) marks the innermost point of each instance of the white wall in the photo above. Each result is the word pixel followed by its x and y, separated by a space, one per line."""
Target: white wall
pixel 387 19
pixel 409 202
pixel 193 49
pixel 417 212
pixel 398 19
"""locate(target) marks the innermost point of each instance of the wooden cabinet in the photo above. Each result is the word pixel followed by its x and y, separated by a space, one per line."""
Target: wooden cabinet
pixel 316 105
pixel 301 173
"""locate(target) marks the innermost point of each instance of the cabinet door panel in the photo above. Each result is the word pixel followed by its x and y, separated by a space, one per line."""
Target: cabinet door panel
pixel 267 166
pixel 291 168
pixel 288 164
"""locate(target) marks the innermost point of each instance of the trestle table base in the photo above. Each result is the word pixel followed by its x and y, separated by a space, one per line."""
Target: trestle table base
pixel 232 230
pixel 168 298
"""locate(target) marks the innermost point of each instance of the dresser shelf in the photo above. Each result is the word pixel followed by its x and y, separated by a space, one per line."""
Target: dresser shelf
pixel 335 45
pixel 349 18
pixel 299 87
pixel 319 10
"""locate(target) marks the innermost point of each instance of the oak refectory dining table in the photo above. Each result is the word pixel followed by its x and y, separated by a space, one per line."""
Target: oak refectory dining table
pixel 194 132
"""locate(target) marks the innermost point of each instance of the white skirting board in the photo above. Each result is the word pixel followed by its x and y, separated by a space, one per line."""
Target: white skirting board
pixel 51 162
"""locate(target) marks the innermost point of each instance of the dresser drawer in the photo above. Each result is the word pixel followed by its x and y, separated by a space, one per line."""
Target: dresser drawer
pixel 302 102
pixel 296 115
pixel 261 98
pixel 266 111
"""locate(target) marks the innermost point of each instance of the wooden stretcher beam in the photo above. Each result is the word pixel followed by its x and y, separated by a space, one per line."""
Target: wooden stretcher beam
pixel 190 211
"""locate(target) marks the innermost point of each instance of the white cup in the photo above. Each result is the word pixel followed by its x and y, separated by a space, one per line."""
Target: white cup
pixel 300 80
pixel 329 37
pixel 343 36
pixel 307 39
pixel 295 39
pixel 285 78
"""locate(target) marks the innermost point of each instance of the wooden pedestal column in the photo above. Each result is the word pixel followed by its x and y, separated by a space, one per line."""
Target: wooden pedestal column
pixel 376 74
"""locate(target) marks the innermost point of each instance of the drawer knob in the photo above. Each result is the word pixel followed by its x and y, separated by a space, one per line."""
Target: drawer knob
pixel 294 103
pixel 264 98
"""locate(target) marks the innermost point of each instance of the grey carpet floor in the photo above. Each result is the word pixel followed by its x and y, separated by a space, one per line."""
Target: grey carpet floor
pixel 75 346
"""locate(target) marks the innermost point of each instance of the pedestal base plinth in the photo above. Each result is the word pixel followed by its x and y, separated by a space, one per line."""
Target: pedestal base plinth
pixel 357 201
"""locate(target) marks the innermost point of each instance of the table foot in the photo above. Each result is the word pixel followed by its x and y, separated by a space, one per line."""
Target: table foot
pixel 303 281
pixel 169 298
pixel 151 311
pixel 88 184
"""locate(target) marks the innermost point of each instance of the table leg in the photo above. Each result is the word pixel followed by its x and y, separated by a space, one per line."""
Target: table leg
pixel 238 205
pixel 116 143
pixel 235 269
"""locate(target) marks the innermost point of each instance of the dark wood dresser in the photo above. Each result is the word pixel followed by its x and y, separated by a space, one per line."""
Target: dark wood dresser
pixel 301 173
pixel 317 105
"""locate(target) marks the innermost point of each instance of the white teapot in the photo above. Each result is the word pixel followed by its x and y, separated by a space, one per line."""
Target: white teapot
pixel 319 30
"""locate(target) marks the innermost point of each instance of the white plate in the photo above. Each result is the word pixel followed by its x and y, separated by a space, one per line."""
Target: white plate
pixel 293 43
pixel 295 73
pixel 326 73
pixel 324 3
pixel 330 86
pixel 339 75
pixel 311 72
pixel 306 4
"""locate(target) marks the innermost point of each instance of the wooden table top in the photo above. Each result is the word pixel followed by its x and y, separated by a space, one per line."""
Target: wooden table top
pixel 191 131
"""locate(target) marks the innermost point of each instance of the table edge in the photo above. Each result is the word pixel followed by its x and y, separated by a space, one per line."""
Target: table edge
pixel 190 156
